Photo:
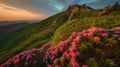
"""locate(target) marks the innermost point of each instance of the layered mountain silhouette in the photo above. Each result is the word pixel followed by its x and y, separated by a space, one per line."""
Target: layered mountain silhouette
pixel 77 37
pixel 4 30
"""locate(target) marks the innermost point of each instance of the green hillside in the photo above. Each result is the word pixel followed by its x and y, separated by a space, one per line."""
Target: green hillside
pixel 59 27
pixel 78 24
pixel 33 35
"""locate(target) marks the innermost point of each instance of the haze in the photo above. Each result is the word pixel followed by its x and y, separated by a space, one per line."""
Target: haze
pixel 40 9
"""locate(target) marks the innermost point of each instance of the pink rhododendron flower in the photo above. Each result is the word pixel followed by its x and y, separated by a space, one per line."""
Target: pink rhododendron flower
pixel 74 63
pixel 73 54
pixel 48 65
pixel 62 58
pixel 85 34
pixel 68 55
pixel 74 34
pixel 34 50
pixel 70 38
pixel 78 53
pixel 2 65
pixel 104 34
pixel 52 57
pixel 116 29
pixel 16 61
pixel 115 35
pixel 57 66
pixel 90 34
pixel 117 32
pixel 61 49
pixel 72 60
pixel 65 50
pixel 56 50
pixel 102 30
pixel 22 58
pixel 62 43
pixel 64 54
pixel 93 29
pixel 84 31
pixel 72 49
pixel 96 39
pixel 78 38
pixel 56 61
pixel 74 44
pixel 28 57
pixel 79 33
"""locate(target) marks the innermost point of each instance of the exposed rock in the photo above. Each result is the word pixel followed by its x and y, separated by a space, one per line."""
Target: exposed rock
pixel 75 10
pixel 107 10
pixel 78 9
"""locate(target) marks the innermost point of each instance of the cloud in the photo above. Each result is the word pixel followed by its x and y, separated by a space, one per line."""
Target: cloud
pixel 102 3
pixel 46 7
pixel 50 7
pixel 12 13
pixel 36 6
pixel 7 7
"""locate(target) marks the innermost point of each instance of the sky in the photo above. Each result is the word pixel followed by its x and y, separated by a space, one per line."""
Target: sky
pixel 41 9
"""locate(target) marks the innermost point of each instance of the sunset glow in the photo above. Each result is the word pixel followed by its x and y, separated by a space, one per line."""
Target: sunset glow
pixel 41 9
pixel 11 13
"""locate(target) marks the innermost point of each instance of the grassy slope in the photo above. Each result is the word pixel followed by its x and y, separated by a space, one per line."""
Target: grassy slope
pixel 93 56
pixel 28 37
pixel 39 33
pixel 85 21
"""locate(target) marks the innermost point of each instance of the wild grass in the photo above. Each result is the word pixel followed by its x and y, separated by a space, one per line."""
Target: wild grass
pixel 78 24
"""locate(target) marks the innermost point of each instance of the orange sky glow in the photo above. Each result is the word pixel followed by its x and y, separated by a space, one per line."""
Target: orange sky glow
pixel 11 13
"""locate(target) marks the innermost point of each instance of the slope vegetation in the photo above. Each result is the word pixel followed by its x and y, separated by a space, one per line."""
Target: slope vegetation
pixel 87 20
pixel 33 35
pixel 93 47
pixel 85 35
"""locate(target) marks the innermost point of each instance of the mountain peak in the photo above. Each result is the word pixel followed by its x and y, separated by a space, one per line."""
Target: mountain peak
pixel 74 10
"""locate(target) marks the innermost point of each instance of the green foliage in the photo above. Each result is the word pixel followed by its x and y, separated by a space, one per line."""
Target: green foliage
pixel 91 62
pixel 37 34
pixel 79 23
pixel 109 63
pixel 34 35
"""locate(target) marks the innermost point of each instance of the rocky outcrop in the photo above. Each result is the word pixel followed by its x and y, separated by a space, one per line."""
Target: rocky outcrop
pixel 106 10
pixel 71 12
pixel 75 10
pixel 78 9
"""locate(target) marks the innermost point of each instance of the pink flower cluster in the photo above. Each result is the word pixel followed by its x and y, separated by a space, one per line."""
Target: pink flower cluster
pixel 64 51
pixel 116 33
pixel 67 50
pixel 25 57
pixel 116 29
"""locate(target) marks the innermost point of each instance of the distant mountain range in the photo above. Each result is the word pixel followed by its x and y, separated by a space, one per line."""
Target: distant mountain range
pixel 77 37
pixel 5 23
pixel 11 27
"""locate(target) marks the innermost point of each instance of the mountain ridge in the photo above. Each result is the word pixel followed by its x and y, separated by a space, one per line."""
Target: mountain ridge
pixel 4 30
pixel 55 29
